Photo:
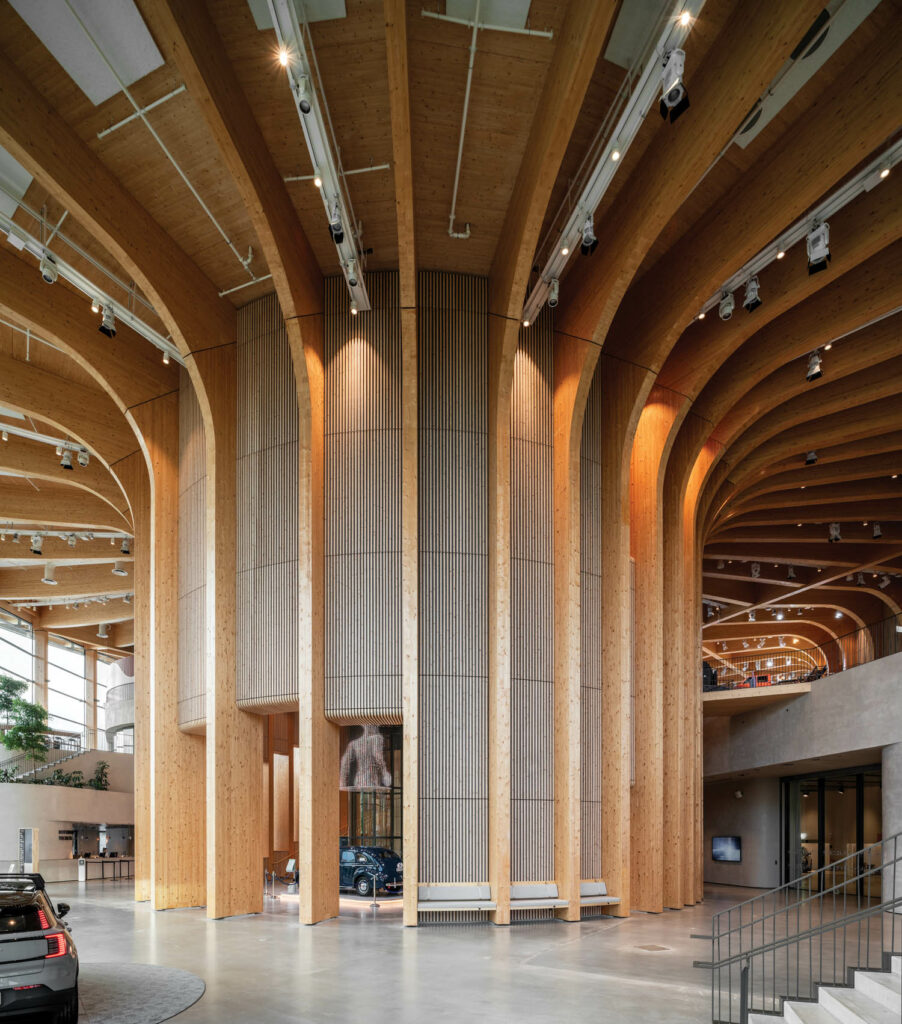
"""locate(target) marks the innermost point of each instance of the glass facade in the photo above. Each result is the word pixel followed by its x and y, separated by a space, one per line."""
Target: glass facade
pixel 17 650
pixel 375 816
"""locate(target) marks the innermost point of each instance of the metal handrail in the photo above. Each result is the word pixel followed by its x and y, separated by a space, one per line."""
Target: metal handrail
pixel 815 920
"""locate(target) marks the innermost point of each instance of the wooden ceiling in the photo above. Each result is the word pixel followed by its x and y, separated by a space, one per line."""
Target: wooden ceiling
pixel 747 415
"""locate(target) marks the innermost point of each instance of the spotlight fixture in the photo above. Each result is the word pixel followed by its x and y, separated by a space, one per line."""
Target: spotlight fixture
pixel 701 315
pixel 878 533
pixel 781 254
pixel 837 615
pixel 860 579
pixel 884 582
pixel 526 323
pixel 726 306
pixel 102 631
pixel 770 662
pixel 790 572
pixel 37 542
pixel 780 616
pixel 814 371
pixel 119 569
pixel 5 435
pixel 818 246
pixel 810 458
pixel 745 644
pixel 555 293
pixel 66 459
pixel 71 540
pixel 49 270
pixel 565 250
pixel 351 270
pixel 283 56
pixel 752 615
pixel 165 358
pixel 720 563
pixel 723 645
pixel 125 547
pixel 108 322
pixel 756 570
pixel 95 305
pixel 49 576
pixel 738 794
pixel 752 299
pixel 303 88
pixel 589 242
pixel 685 18
pixel 317 180
pixel 354 309
pixel 833 534
pixel 83 457
pixel 335 227
pixel 884 173
pixel 674 98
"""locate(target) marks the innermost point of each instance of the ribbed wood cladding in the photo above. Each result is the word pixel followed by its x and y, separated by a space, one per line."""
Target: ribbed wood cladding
pixel 363 661
pixel 192 689
pixel 453 753
pixel 591 564
pixel 267 512
pixel 532 612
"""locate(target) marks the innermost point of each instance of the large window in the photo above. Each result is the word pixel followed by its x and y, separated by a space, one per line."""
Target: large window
pixel 17 649
pixel 66 686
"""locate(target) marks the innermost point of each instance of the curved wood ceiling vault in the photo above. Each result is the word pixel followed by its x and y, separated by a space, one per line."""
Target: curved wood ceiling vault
pixel 733 412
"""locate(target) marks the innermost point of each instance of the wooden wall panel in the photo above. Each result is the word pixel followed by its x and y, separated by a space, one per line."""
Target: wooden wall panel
pixel 267 512
pixel 363 503
pixel 453 658
pixel 192 560
pixel 532 612
pixel 591 564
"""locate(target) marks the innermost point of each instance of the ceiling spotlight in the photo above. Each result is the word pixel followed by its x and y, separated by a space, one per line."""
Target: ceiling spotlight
pixel 727 305
pixel 589 241
pixel 752 615
pixel 165 358
pixel 723 645
pixel 303 92
pixel 5 435
pixel 810 458
pixel 745 644
pixel 66 459
pixel 837 615
pixel 878 533
pixel 102 631
pixel 351 270
pixel 554 293
pixel 49 576
pixel 95 305
pixel 701 315
pixel 354 309
pixel 526 323
pixel 83 457
pixel 781 254
pixel 71 540
pixel 761 643
pixel 720 563
pixel 833 535
pixel 814 370
pixel 127 598
pixel 685 18
pixel 780 616
pixel 283 56
pixel 770 662
pixel 317 180
pixel 756 570
pixel 884 172
pixel 37 542
pixel 125 548
pixel 860 579
pixel 615 155
pixel 119 569
pixel 884 582
pixel 790 573
pixel 818 245
pixel 335 228
pixel 751 300
pixel 674 98
pixel 828 346
pixel 108 322
pixel 49 270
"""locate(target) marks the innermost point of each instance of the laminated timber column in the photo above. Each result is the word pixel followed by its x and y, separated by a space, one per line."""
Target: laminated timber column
pixel 234 738
pixel 90 694
pixel 40 667
pixel 649 455
pixel 177 759
pixel 133 475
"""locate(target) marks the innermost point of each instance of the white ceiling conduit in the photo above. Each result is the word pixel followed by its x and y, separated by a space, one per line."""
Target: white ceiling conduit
pixel 297 56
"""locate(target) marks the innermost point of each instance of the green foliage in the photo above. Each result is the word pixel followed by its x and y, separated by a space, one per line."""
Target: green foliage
pixel 75 780
pixel 10 691
pixel 7 775
pixel 28 731
pixel 101 779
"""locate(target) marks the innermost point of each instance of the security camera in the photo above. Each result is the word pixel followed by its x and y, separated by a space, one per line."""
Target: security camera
pixel 554 293
pixel 814 370
pixel 818 246
pixel 727 305
pixel 751 300
pixel 674 98
pixel 49 269
pixel 351 266
pixel 810 458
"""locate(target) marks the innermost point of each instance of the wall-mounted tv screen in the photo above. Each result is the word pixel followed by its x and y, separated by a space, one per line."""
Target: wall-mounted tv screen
pixel 726 848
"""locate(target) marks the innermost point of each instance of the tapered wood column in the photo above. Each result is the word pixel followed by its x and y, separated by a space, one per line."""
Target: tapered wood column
pixel 133 474
pixel 90 695
pixel 177 759
pixel 234 738
pixel 650 447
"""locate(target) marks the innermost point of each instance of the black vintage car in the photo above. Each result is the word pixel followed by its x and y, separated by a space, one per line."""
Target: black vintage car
pixel 360 867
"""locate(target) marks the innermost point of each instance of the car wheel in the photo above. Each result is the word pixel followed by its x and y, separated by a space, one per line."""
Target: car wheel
pixel 363 886
pixel 69 1012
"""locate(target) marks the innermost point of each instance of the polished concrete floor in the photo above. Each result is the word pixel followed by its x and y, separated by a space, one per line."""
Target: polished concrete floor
pixel 365 966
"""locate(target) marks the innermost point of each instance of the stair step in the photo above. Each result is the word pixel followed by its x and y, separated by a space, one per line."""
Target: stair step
pixel 853 1007
pixel 806 1013
pixel 880 986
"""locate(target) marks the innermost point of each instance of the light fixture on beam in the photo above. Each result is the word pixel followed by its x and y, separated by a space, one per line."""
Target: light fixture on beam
pixel 119 569
pixel 37 543
pixel 300 67
pixel 49 576
pixel 125 547
pixel 102 631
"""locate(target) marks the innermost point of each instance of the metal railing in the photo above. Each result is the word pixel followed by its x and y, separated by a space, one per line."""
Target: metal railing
pixel 815 930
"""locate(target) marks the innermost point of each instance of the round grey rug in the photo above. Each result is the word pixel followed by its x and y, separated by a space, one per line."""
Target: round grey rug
pixel 134 993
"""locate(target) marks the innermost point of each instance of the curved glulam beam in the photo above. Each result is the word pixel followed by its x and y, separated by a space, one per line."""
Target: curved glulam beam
pixel 881 465
pixel 61 618
pixel 56 506
pixel 72 581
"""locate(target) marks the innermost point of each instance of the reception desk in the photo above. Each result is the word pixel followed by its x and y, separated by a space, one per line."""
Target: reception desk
pixel 96 868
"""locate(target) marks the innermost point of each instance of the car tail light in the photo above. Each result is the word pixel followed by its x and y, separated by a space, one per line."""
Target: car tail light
pixel 56 945
pixel 21 988
pixel 42 918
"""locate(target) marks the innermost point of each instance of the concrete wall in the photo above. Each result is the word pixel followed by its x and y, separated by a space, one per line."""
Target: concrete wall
pixel 856 710
pixel 756 818
pixel 51 808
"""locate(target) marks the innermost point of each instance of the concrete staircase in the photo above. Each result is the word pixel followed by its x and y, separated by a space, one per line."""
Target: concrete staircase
pixel 875 999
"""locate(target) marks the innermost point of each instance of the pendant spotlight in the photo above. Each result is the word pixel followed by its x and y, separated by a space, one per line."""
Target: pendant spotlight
pixel 833 535
pixel 66 459
pixel 49 576
pixel 71 540
pixel 83 457
pixel 790 573
pixel 810 458
pixel 752 615
pixel 814 371
pixel 37 542
pixel 878 533
pixel 335 228
pixel 554 295
pixel 674 98
pixel 884 582
pixel 727 305
pixel 589 242
pixel 49 270
pixel 102 631
pixel 756 570
pixel 304 94
pixel 752 299
pixel 119 569
pixel 108 322
pixel 818 246
pixel 125 548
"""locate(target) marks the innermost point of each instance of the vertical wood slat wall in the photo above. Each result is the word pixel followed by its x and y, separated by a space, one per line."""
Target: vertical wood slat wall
pixel 532 607
pixel 591 565
pixel 453 585
pixel 363 662
pixel 267 512
pixel 192 589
